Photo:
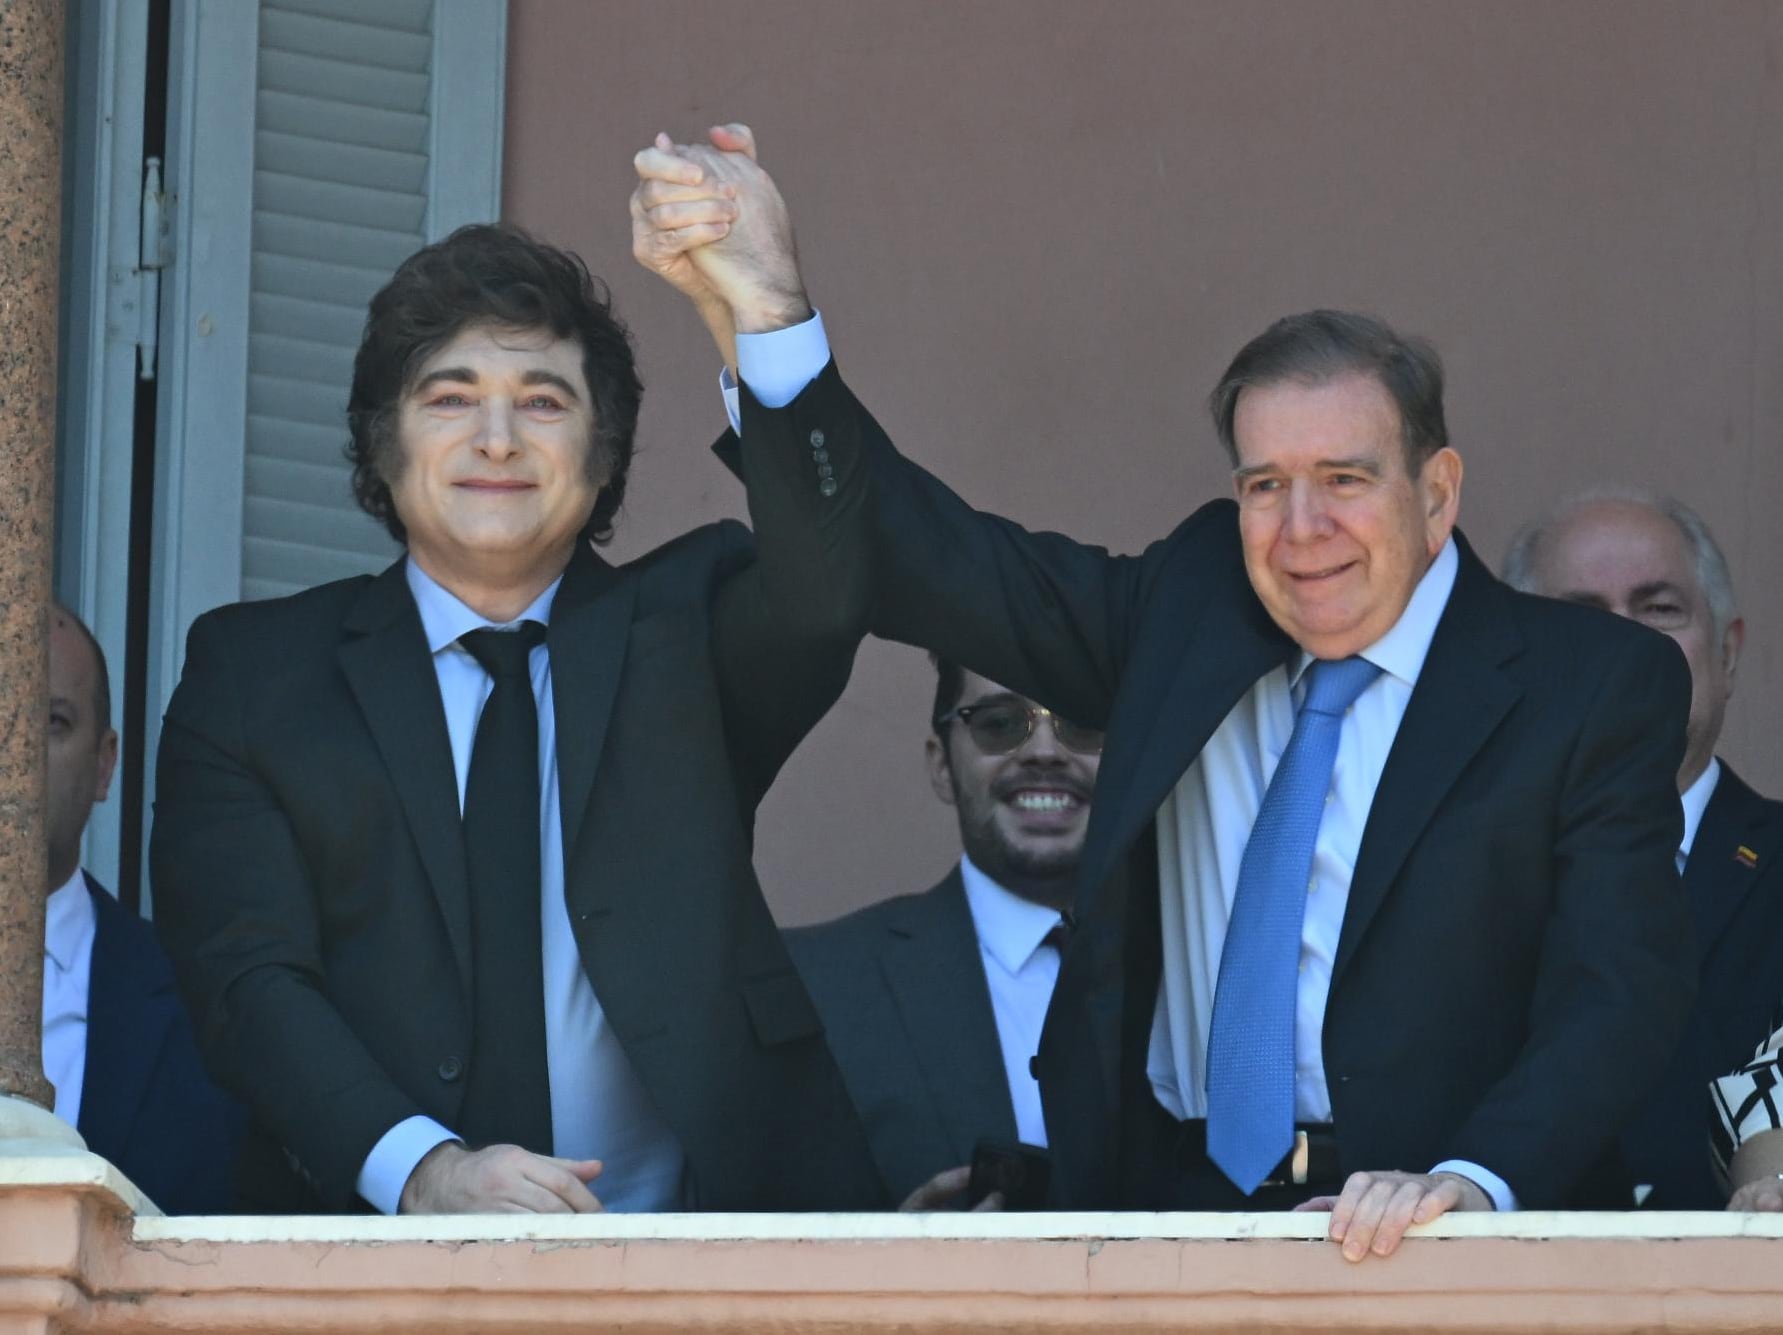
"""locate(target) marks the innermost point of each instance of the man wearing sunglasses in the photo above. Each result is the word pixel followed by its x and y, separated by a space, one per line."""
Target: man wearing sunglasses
pixel 1378 909
pixel 933 1003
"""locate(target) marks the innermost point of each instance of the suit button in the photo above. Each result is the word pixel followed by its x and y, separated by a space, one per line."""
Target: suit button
pixel 827 487
pixel 825 470
pixel 820 456
pixel 451 1069
pixel 817 439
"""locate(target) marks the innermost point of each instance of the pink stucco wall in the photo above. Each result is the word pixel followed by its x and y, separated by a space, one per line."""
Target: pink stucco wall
pixel 1039 229
pixel 73 1260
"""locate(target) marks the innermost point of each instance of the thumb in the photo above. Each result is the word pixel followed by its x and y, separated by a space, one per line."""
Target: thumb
pixel 585 1169
pixel 734 138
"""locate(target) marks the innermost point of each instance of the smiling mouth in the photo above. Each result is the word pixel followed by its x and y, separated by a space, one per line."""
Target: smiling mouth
pixel 1313 576
pixel 490 484
pixel 1044 800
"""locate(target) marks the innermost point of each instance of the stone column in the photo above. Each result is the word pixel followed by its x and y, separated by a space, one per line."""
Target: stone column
pixel 31 35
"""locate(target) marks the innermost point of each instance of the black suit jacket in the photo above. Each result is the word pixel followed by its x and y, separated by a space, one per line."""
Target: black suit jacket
pixel 1515 943
pixel 146 1104
pixel 309 870
pixel 901 989
pixel 1733 881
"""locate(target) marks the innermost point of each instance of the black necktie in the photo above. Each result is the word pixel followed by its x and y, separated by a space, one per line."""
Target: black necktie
pixel 507 1097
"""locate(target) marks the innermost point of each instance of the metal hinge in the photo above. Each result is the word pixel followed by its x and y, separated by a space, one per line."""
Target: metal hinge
pixel 153 259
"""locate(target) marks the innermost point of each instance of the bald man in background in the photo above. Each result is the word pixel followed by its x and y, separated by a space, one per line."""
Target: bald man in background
pixel 1652 559
pixel 117 1042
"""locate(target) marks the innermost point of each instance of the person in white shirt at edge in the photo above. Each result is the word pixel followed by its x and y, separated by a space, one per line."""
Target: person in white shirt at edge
pixel 1653 559
pixel 117 1041
pixel 933 1003
pixel 1347 498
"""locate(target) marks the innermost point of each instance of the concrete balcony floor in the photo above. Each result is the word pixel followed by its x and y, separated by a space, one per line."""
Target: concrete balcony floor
pixel 74 1257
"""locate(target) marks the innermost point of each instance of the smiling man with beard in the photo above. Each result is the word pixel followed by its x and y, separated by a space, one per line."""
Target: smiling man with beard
pixel 934 1002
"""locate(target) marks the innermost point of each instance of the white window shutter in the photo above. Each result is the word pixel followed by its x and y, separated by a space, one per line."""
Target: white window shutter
pixel 345 123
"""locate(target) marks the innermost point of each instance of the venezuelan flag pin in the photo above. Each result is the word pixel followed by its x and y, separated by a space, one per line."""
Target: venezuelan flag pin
pixel 1745 856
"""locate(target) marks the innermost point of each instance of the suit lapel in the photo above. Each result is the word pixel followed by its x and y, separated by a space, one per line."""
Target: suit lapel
pixel 1459 701
pixel 590 622
pixel 1718 875
pixel 385 659
pixel 1205 682
pixel 932 966
pixel 127 1026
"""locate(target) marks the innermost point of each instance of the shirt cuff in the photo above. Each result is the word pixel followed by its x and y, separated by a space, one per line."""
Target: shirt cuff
pixel 776 366
pixel 1504 1199
pixel 387 1168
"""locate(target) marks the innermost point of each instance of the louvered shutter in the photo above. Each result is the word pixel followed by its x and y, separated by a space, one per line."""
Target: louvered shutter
pixel 340 198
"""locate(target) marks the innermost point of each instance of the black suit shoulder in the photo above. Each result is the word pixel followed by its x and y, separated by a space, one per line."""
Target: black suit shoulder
pixel 864 926
pixel 1556 629
pixel 147 1104
pixel 687 568
pixel 838 959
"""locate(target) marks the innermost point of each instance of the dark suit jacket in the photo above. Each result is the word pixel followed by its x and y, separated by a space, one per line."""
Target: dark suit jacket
pixel 901 988
pixel 1736 900
pixel 146 1104
pixel 309 870
pixel 1515 943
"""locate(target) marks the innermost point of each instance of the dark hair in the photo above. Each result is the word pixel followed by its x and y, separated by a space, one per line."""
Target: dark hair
pixel 101 674
pixel 1319 346
pixel 492 274
pixel 950 685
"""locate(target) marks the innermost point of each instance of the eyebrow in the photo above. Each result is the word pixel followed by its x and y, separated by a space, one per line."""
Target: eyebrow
pixel 464 375
pixel 994 698
pixel 1637 594
pixel 1357 465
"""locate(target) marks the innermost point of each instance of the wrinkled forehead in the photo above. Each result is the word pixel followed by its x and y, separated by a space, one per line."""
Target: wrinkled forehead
pixel 1300 424
pixel 72 666
pixel 1614 547
pixel 484 350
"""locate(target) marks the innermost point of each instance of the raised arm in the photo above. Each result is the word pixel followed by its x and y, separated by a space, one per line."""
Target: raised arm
pixel 1040 612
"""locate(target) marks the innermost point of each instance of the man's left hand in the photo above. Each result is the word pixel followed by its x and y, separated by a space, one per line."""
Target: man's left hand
pixel 1375 1209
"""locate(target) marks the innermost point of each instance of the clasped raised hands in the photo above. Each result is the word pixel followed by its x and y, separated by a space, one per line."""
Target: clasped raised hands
pixel 709 221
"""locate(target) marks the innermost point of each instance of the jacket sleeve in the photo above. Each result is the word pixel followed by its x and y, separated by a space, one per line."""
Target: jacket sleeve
pixel 1041 613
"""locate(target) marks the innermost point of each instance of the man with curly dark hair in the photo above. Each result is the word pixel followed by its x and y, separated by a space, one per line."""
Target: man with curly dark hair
pixel 454 862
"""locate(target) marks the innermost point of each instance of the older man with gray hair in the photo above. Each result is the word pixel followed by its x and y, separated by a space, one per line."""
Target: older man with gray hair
pixel 1651 558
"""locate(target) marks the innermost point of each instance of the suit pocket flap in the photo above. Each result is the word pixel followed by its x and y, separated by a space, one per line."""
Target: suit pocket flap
pixel 780 1009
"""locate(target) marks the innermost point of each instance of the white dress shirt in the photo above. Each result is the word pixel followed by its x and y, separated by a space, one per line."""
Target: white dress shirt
pixel 69 924
pixel 599 1110
pixel 1696 801
pixel 1021 970
pixel 1204 824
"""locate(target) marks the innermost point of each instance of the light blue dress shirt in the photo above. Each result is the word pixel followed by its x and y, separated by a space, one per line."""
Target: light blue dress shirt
pixel 1021 970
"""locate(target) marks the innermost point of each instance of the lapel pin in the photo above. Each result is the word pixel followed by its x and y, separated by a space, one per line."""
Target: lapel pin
pixel 1745 856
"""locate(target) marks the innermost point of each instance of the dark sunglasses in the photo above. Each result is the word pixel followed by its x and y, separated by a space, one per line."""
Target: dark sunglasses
pixel 998 728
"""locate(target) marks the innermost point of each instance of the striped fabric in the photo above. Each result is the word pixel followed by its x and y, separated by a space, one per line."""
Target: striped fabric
pixel 1748 1101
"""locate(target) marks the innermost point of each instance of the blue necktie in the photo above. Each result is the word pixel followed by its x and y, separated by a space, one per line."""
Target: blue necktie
pixel 1250 1045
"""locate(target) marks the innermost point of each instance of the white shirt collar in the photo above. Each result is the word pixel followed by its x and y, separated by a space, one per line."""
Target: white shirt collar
pixel 69 922
pixel 1402 650
pixel 444 617
pixel 1009 927
pixel 1696 801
